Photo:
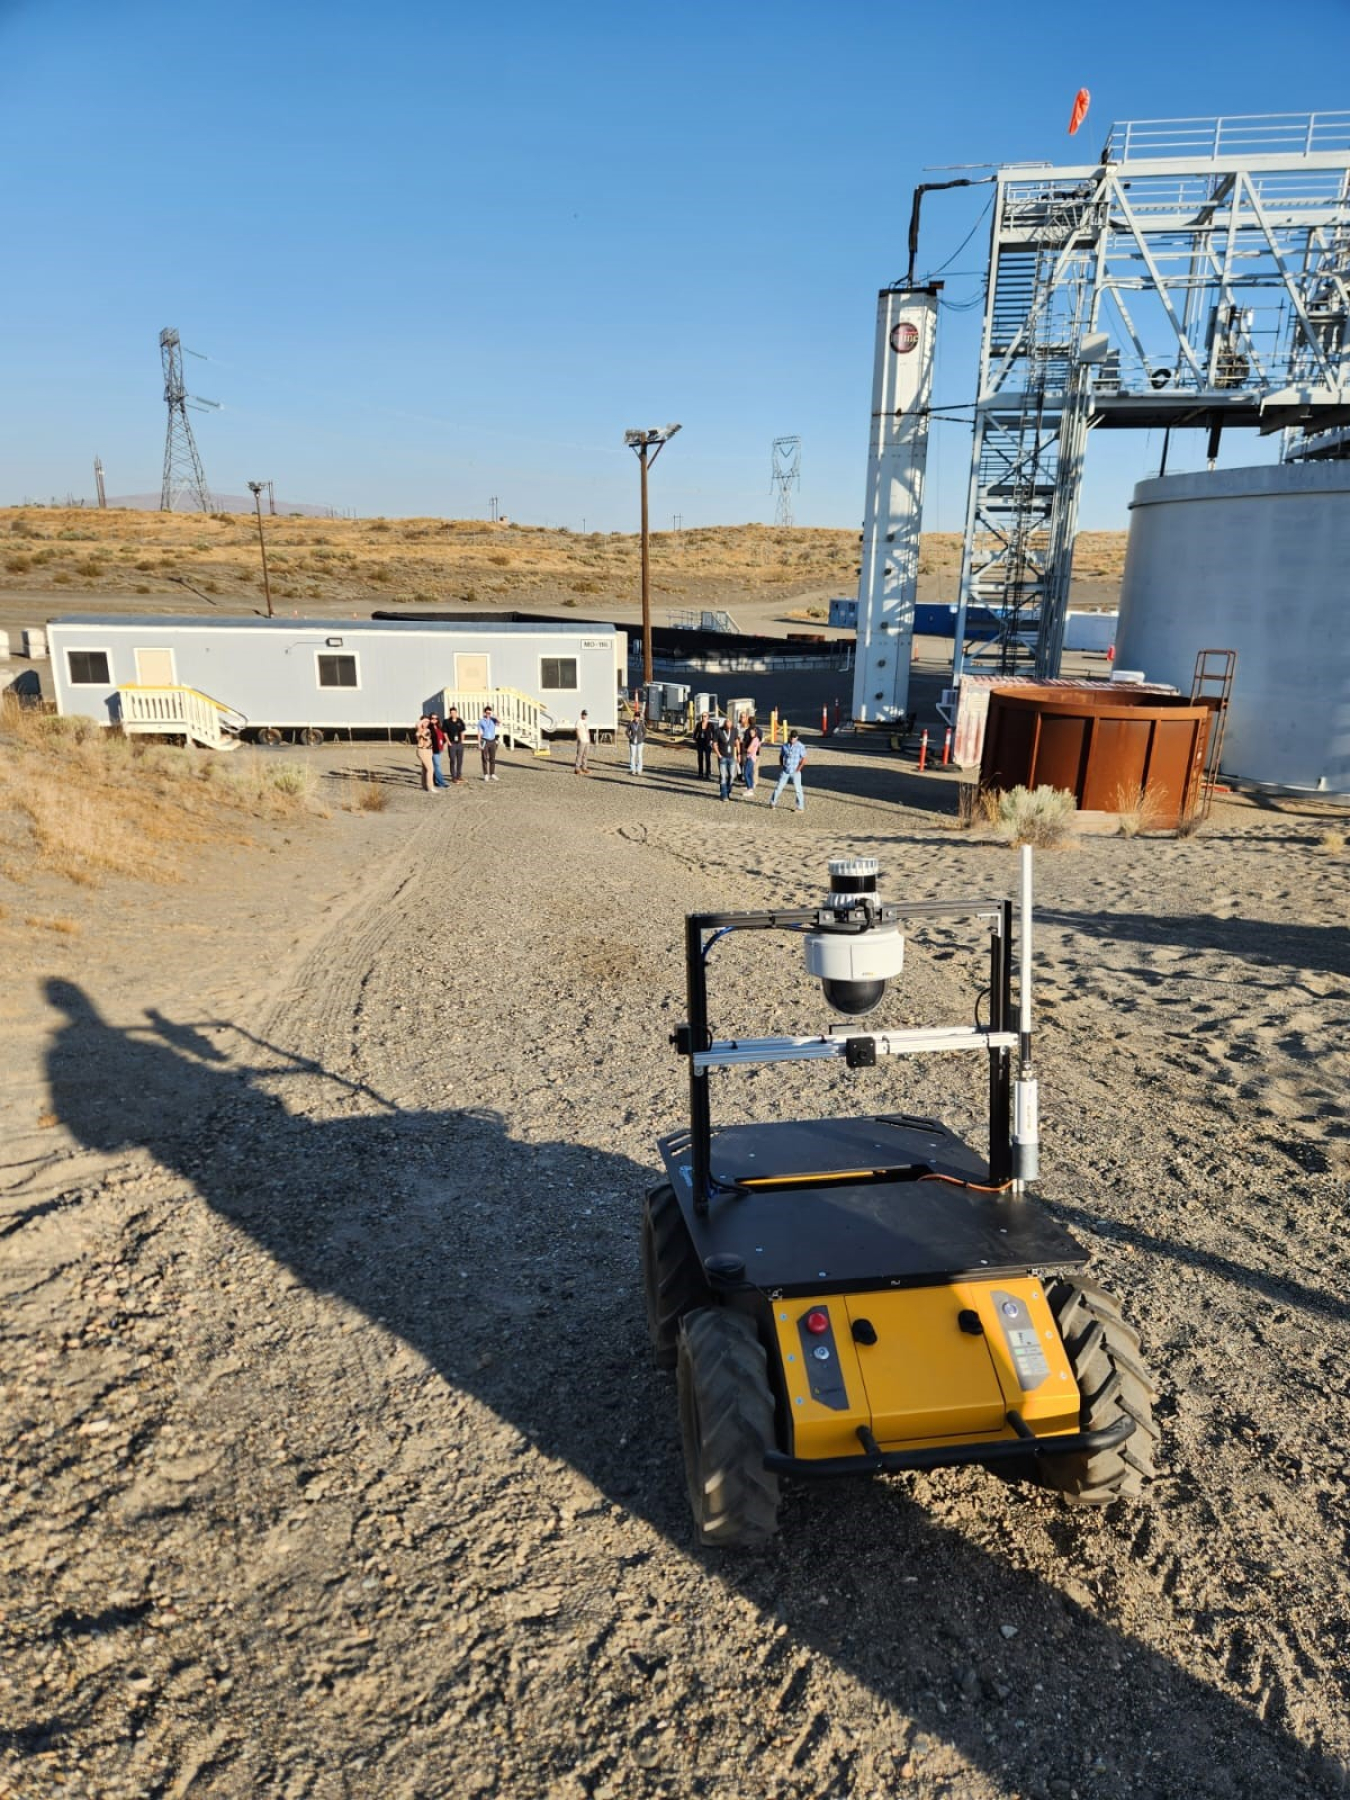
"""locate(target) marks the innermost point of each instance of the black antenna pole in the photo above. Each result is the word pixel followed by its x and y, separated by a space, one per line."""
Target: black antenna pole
pixel 933 187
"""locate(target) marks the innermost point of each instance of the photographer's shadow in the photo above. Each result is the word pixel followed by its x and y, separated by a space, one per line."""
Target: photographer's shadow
pixel 547 1331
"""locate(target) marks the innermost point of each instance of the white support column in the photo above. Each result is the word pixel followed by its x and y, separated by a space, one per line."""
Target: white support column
pixel 897 453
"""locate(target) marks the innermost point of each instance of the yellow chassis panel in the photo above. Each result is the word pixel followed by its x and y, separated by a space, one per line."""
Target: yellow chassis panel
pixel 925 1381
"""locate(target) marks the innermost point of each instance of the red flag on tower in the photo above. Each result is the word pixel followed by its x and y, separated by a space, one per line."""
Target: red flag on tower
pixel 1082 100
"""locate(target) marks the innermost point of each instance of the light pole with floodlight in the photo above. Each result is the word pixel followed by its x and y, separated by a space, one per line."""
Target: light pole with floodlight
pixel 647 445
pixel 255 488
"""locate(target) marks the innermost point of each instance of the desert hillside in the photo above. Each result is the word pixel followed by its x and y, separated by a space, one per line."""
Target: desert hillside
pixel 74 555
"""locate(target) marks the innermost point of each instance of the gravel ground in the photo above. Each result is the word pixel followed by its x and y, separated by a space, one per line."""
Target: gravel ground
pixel 335 1462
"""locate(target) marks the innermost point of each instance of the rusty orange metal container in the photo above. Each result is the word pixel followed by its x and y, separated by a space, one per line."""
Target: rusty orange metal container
pixel 1103 744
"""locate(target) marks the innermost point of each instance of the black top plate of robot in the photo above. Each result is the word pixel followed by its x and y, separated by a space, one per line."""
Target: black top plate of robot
pixel 860 1204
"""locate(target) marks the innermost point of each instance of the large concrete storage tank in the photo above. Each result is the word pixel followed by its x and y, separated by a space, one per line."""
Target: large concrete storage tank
pixel 1257 561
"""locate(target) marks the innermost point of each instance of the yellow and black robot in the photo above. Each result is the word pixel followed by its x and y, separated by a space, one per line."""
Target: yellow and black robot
pixel 870 1295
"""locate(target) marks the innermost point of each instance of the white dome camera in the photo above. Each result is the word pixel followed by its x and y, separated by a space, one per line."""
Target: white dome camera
pixel 858 953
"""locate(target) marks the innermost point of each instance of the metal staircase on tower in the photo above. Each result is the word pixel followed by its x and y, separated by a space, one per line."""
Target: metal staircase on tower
pixel 1032 418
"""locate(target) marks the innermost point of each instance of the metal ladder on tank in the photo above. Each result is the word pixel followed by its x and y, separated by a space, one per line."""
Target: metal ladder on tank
pixel 1212 683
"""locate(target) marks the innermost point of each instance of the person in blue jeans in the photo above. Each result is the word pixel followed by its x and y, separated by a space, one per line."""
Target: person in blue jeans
pixel 637 737
pixel 438 743
pixel 790 760
pixel 751 743
pixel 724 747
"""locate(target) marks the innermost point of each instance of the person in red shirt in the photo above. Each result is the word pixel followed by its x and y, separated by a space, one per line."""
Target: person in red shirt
pixel 437 750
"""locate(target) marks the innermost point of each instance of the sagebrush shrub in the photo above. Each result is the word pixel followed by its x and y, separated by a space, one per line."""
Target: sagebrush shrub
pixel 1040 816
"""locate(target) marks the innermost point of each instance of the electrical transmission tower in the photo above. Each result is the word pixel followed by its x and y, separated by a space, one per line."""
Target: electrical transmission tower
pixel 787 474
pixel 183 470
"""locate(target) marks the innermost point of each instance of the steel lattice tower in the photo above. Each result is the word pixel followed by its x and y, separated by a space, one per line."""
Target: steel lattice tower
pixel 787 474
pixel 1198 275
pixel 182 466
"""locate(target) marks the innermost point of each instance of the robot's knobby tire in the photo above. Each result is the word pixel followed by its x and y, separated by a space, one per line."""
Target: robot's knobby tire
pixel 673 1281
pixel 1104 1354
pixel 726 1423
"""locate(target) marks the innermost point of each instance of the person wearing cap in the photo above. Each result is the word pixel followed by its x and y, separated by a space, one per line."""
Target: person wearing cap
pixel 487 743
pixel 581 766
pixel 790 760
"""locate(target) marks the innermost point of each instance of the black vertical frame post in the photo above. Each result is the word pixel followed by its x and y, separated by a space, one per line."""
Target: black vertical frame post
pixel 700 1110
pixel 1000 1066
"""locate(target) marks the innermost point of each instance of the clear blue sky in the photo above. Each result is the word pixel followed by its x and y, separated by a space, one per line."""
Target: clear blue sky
pixel 438 253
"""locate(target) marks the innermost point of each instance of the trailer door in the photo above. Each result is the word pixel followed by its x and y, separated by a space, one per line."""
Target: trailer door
pixel 154 668
pixel 471 673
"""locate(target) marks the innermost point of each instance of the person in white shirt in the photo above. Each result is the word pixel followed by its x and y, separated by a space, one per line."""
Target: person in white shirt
pixel 581 766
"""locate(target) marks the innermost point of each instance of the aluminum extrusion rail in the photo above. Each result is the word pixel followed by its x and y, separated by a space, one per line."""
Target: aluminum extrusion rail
pixel 729 1053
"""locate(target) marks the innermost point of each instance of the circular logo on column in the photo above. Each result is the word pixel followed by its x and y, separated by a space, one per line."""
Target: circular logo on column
pixel 904 337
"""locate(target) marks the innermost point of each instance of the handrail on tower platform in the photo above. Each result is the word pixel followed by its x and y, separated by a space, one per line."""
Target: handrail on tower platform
pixel 1244 134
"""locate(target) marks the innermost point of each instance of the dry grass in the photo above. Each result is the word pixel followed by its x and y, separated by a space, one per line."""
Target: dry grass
pixel 969 808
pixel 83 803
pixel 1332 839
pixel 354 559
pixel 367 795
pixel 1137 810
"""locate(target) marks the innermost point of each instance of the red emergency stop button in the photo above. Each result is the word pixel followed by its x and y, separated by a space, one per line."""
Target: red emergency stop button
pixel 817 1321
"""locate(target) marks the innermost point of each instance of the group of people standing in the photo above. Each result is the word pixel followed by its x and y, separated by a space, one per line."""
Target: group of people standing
pixel 736 750
pixel 437 738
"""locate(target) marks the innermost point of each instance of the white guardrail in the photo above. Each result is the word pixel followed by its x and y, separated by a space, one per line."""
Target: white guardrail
pixel 521 718
pixel 170 710
pixel 1240 135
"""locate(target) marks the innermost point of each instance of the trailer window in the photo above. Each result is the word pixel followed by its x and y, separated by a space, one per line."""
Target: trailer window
pixel 557 672
pixel 88 668
pixel 337 672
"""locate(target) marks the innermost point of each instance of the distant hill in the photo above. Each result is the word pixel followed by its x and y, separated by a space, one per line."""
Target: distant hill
pixel 230 503
pixel 316 563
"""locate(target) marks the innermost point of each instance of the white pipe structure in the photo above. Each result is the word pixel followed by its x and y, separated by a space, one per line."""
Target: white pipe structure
pixel 888 578
pixel 1026 1123
pixel 1024 957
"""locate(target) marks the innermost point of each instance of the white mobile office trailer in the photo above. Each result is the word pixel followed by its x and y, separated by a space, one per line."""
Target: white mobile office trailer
pixel 316 678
